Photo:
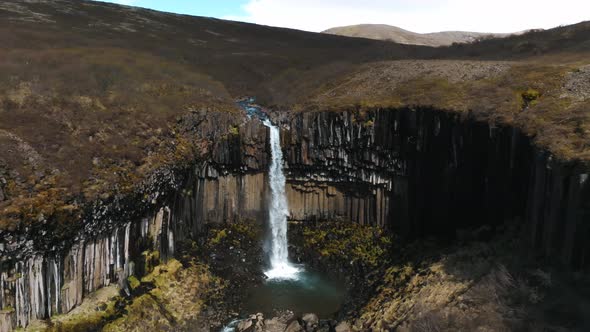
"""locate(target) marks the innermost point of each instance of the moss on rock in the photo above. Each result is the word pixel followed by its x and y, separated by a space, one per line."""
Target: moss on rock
pixel 177 298
pixel 95 311
pixel 348 243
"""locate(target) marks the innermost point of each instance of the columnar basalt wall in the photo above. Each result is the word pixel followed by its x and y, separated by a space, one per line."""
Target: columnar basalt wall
pixel 116 241
pixel 429 172
pixel 321 200
pixel 558 210
pixel 54 283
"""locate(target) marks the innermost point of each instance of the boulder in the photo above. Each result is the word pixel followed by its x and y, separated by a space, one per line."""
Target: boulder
pixel 246 325
pixel 259 323
pixel 279 323
pixel 294 327
pixel 274 325
pixel 311 322
pixel 254 323
pixel 343 327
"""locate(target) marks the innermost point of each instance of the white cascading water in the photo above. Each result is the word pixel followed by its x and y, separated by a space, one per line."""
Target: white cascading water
pixel 280 267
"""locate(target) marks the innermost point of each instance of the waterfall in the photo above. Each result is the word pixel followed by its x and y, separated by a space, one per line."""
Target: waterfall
pixel 280 267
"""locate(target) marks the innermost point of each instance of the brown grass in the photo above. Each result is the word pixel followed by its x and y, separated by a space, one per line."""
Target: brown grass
pixel 529 95
pixel 485 286
pixel 94 95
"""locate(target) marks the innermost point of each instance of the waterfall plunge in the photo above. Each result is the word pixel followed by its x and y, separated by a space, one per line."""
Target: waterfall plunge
pixel 280 267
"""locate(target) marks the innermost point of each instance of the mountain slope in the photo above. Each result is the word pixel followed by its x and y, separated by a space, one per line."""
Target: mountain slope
pixel 96 96
pixel 399 35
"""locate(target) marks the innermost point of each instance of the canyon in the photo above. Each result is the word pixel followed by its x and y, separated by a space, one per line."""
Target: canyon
pixel 443 185
pixel 369 167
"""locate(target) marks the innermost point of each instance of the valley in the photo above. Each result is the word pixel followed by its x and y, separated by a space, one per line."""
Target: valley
pixel 409 188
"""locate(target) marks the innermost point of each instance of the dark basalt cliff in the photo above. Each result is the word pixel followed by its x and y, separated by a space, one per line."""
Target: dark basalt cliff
pixel 414 171
pixel 423 172
pixel 42 275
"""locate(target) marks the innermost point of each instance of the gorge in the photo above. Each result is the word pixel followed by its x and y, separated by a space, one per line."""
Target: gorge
pixel 384 156
pixel 369 186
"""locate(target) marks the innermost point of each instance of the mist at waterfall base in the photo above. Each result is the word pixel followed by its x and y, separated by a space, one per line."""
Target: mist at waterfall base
pixel 288 286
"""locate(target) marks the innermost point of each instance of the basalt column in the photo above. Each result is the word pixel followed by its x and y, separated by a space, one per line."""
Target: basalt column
pixel 423 171
pixel 127 236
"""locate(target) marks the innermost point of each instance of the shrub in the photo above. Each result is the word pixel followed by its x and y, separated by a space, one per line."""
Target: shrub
pixel 234 131
pixel 530 96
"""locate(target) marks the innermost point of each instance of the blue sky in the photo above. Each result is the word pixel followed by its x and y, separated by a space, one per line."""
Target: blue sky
pixel 415 15
pixel 215 8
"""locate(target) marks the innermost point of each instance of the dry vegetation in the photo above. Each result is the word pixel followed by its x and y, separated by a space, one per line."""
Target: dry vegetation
pixel 478 286
pixel 94 97
pixel 398 35
pixel 176 302
pixel 532 95
pixel 80 123
pixel 171 297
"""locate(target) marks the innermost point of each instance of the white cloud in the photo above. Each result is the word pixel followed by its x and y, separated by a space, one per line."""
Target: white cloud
pixel 418 15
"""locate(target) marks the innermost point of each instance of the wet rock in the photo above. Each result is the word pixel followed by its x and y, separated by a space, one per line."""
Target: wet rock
pixel 279 323
pixel 311 322
pixel 252 323
pixel 275 325
pixel 247 325
pixel 259 324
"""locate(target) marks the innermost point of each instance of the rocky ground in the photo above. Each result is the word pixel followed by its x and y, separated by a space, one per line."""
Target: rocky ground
pixel 487 281
pixel 478 285
pixel 385 77
pixel 577 84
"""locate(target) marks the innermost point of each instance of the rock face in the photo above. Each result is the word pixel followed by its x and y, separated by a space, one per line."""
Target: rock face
pixel 37 281
pixel 414 171
pixel 427 172
pixel 42 285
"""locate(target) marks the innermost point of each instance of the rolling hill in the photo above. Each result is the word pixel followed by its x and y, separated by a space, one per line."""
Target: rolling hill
pixel 399 35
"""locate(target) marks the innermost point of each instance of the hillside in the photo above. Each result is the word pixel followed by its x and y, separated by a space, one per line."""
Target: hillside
pixel 446 186
pixel 399 35
pixel 95 96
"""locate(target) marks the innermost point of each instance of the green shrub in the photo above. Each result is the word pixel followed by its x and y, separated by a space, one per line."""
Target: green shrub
pixel 530 96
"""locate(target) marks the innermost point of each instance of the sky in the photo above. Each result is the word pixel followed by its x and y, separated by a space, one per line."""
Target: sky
pixel 414 15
